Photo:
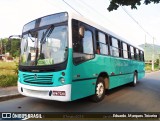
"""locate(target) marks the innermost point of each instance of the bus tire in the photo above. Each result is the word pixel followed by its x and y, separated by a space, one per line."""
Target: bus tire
pixel 135 78
pixel 99 90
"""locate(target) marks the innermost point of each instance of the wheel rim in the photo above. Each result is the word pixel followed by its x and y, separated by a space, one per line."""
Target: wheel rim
pixel 135 79
pixel 100 90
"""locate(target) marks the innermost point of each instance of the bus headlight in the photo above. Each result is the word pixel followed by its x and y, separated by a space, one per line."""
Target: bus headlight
pixel 62 80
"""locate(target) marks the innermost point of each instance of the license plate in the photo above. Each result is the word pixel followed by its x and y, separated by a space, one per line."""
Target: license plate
pixel 59 93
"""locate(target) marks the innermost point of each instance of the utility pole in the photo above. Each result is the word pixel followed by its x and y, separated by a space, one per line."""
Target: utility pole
pixel 153 56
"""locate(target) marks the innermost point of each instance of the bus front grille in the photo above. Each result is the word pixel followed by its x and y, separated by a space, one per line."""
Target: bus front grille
pixel 38 79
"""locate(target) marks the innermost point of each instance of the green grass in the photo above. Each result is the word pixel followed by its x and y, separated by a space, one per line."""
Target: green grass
pixel 8 74
pixel 8 80
pixel 148 67
pixel 7 65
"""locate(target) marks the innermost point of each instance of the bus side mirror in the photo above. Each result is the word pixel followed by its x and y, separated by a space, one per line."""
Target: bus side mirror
pixel 81 31
pixel 14 37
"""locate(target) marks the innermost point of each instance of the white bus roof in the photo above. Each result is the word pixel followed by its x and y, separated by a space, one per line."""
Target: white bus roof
pixel 97 26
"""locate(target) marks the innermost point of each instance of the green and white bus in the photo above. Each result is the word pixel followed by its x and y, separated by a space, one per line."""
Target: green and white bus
pixel 66 57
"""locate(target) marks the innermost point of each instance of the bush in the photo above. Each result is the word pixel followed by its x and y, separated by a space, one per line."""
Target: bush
pixel 7 65
pixel 16 68
pixel 8 74
pixel 148 67
pixel 8 80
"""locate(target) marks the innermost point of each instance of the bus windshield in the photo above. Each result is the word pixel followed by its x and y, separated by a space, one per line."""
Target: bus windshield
pixel 46 45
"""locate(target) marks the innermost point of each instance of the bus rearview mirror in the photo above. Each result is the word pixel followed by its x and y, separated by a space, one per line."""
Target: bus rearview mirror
pixel 14 37
pixel 81 31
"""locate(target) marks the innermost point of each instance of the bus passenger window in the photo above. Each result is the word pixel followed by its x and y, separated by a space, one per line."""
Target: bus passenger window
pixel 98 49
pixel 120 48
pixel 87 42
pixel 137 54
pixel 82 46
pixel 114 49
pixel 141 55
pixel 125 52
pixel 103 46
pixel 132 52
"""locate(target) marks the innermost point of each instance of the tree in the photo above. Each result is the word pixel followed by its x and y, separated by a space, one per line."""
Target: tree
pixel 4 45
pixel 157 62
pixel 114 4
pixel 13 46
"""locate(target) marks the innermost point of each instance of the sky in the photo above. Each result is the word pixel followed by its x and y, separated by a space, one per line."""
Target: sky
pixel 15 13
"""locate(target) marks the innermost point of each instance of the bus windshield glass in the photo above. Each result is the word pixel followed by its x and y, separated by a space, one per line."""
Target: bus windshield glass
pixel 45 41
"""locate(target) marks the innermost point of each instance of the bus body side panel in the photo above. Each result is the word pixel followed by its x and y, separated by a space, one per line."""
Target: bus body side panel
pixel 122 72
pixel 84 79
pixel 139 67
pixel 141 70
pixel 85 76
pixel 119 80
pixel 81 89
pixel 141 75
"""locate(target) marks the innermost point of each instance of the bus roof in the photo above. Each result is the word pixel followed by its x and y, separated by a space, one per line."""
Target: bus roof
pixel 97 26
pixel 93 24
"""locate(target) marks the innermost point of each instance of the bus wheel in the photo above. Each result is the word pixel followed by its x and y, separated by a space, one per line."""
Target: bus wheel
pixel 134 80
pixel 99 91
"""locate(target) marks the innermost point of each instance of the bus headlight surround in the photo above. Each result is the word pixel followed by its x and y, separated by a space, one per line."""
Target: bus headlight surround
pixel 62 80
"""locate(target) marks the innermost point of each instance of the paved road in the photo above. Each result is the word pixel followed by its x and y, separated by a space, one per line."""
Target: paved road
pixel 145 97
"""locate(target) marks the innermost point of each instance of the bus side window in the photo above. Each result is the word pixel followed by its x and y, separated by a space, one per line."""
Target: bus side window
pixel 125 51
pixel 141 56
pixel 87 42
pixel 82 45
pixel 103 46
pixel 107 42
pixel 97 43
pixel 129 51
pixel 120 48
pixel 137 54
pixel 132 52
pixel 114 48
pixel 77 47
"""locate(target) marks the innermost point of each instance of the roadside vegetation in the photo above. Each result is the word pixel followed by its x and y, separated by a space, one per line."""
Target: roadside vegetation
pixel 148 67
pixel 9 51
pixel 8 74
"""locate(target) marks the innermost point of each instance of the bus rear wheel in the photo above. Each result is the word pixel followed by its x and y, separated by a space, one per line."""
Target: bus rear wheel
pixel 99 90
pixel 134 82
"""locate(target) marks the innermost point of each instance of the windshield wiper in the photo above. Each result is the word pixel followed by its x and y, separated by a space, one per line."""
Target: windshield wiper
pixel 47 33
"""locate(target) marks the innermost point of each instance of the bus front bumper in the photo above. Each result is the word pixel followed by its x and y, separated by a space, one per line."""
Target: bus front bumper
pixel 60 93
